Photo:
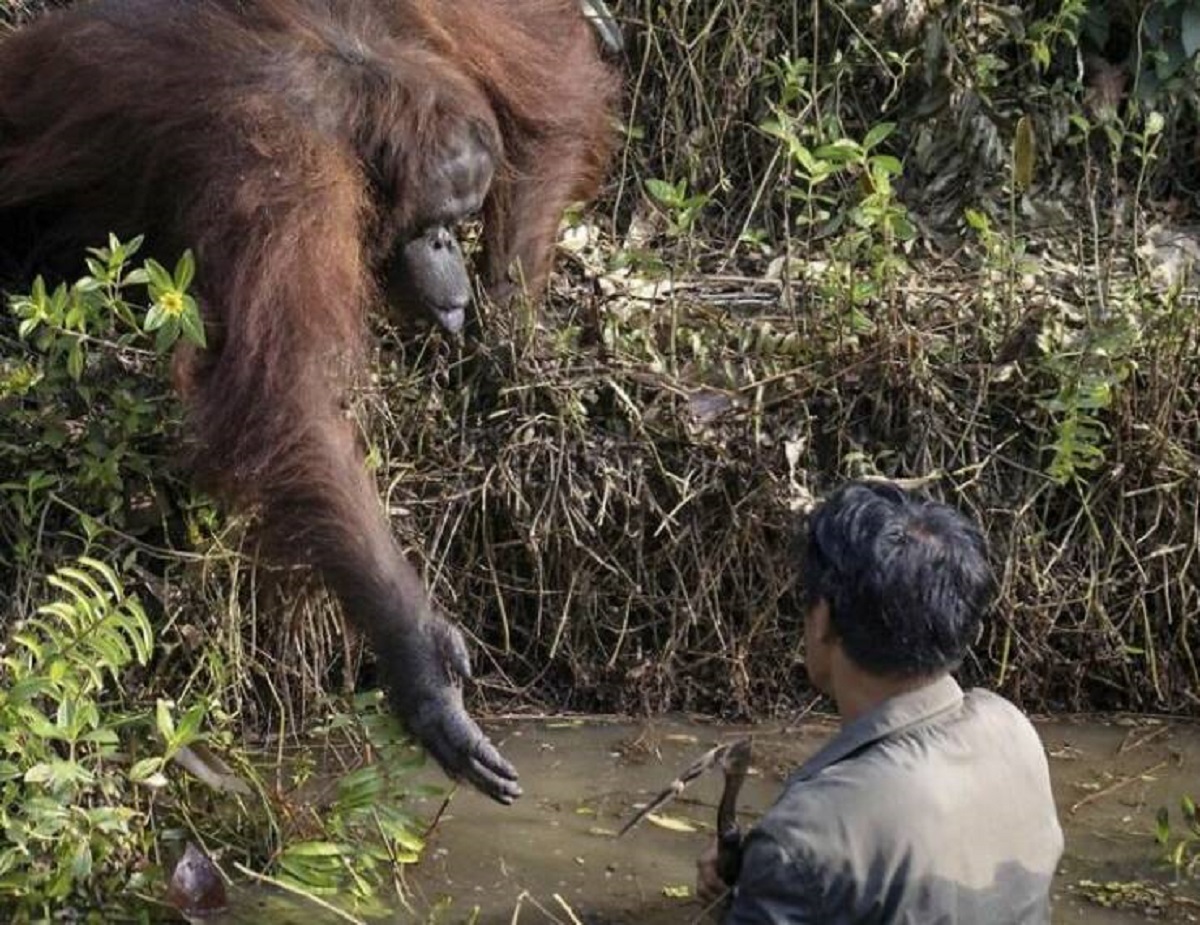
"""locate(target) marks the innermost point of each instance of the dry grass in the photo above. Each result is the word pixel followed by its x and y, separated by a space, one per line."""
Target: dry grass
pixel 605 503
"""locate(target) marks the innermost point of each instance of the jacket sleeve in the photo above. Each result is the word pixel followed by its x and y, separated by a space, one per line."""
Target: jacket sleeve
pixel 774 887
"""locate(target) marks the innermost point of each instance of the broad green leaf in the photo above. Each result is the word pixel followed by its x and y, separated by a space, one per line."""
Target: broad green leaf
pixel 839 152
pixel 166 335
pixel 160 279
pixel 888 164
pixel 81 861
pixel 878 134
pixel 193 326
pixel 155 318
pixel 185 271
pixel 662 191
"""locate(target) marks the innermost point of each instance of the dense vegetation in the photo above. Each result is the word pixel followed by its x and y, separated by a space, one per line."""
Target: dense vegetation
pixel 936 242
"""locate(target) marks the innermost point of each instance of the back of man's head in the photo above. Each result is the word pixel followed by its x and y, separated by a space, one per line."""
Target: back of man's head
pixel 906 579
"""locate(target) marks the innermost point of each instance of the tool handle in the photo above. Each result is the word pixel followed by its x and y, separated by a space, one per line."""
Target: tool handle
pixel 729 855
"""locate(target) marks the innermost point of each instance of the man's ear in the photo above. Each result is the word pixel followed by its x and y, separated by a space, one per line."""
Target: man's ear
pixel 822 621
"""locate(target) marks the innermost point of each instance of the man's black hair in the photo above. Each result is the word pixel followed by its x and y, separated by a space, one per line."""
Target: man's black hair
pixel 907 579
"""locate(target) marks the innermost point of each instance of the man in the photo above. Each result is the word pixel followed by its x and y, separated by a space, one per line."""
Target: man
pixel 930 805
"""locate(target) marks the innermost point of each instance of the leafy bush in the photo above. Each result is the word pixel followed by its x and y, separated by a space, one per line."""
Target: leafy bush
pixel 85 411
pixel 75 829
pixel 1180 847
pixel 91 786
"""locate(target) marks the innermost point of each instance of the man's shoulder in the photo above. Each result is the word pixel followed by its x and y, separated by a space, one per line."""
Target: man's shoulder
pixel 890 778
pixel 989 712
pixel 980 698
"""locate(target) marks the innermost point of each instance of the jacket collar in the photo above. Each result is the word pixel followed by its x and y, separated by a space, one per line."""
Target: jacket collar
pixel 894 715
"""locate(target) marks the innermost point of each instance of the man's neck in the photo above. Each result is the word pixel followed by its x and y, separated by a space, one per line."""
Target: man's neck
pixel 857 692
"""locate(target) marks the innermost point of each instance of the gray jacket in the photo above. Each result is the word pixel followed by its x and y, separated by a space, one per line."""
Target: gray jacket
pixel 933 808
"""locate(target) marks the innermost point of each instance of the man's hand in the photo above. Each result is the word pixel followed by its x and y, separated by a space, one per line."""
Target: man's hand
pixel 710 888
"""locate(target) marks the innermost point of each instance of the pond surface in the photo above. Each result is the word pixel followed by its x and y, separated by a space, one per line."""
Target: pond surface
pixel 553 858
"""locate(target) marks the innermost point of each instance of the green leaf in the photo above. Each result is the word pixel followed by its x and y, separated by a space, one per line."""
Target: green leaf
pixel 79 577
pixel 81 861
pixel 188 730
pixel 159 278
pixel 806 160
pixel 193 326
pixel 317 849
pixel 662 191
pixel 104 737
pixel 185 271
pixel 58 774
pixel 39 773
pixel 1041 54
pixel 75 360
pixel 888 164
pixel 165 721
pixel 903 229
pixel 877 134
pixel 402 830
pixel 103 570
pixel 775 129
pixel 1189 28
pixel 359 789
pixel 154 318
pixel 840 152
pixel 977 220
pixel 167 335
pixel 144 769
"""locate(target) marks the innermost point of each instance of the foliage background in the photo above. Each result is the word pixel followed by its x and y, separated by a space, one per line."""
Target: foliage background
pixel 777 292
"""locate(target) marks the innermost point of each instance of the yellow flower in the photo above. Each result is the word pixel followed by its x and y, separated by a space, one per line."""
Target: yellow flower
pixel 171 303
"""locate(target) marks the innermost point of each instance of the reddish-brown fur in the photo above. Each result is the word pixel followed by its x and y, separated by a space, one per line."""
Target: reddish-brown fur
pixel 288 143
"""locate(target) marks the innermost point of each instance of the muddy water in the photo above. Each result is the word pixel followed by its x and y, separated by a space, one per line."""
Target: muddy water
pixel 584 780
pixel 553 858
